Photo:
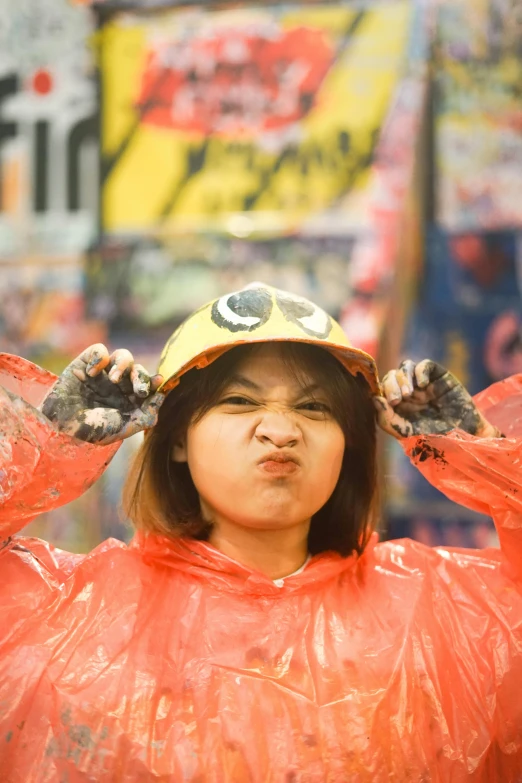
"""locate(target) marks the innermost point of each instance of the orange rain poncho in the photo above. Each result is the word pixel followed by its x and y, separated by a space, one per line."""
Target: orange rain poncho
pixel 167 661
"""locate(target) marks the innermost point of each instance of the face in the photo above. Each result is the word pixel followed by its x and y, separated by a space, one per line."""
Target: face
pixel 268 454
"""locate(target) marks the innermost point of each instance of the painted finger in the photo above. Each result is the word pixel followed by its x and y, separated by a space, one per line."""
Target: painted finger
pixel 444 385
pixel 422 373
pixel 420 398
pixel 90 362
pixel 427 371
pixel 155 382
pixel 140 380
pixel 389 421
pixel 98 360
pixel 151 406
pixel 391 387
pixel 405 377
pixel 384 411
pixel 404 386
pixel 121 361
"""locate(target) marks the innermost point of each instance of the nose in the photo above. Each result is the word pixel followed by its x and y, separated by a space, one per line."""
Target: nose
pixel 278 429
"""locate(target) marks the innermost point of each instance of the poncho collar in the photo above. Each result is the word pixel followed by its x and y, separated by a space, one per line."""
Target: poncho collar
pixel 206 564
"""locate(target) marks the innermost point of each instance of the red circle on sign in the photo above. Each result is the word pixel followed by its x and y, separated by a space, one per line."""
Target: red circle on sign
pixel 42 82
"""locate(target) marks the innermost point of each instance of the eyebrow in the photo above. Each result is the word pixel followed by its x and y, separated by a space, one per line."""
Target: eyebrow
pixel 242 380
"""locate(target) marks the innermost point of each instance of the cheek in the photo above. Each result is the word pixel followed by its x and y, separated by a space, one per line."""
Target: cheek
pixel 219 459
pixel 329 453
pixel 213 452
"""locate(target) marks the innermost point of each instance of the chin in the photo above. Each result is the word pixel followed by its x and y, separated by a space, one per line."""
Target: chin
pixel 273 519
pixel 269 524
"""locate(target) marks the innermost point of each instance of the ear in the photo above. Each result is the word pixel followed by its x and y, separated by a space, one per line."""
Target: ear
pixel 179 451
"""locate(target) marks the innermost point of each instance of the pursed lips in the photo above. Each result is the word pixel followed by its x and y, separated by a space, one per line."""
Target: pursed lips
pixel 279 456
pixel 279 464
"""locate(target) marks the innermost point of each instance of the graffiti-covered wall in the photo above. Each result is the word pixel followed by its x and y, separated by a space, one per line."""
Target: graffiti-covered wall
pixel 478 114
pixel 48 128
pixel 468 316
pixel 48 177
pixel 48 210
pixel 267 142
pixel 153 160
pixel 254 119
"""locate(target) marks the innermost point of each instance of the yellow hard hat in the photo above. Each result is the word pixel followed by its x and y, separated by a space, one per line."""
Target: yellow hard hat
pixel 257 314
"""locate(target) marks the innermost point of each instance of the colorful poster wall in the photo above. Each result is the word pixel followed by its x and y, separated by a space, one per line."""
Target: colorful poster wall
pixel 469 319
pixel 48 210
pixel 252 120
pixel 261 143
pixel 43 316
pixel 48 129
pixel 48 177
pixel 478 114
pixel 148 287
pixel 230 142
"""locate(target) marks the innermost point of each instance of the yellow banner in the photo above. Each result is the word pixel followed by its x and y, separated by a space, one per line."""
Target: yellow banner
pixel 244 120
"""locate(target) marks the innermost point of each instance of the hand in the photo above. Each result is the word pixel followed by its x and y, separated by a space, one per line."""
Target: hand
pixel 425 398
pixel 101 399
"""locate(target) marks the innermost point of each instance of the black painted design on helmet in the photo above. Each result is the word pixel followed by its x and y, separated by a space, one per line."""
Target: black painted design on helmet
pixel 243 311
pixel 304 314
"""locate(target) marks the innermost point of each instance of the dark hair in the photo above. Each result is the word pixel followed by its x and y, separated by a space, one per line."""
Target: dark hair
pixel 160 496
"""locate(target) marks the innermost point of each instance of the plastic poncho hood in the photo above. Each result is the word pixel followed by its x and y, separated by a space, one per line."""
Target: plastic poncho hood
pixel 258 313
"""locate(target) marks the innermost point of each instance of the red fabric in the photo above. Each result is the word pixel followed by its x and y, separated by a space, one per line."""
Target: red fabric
pixel 167 661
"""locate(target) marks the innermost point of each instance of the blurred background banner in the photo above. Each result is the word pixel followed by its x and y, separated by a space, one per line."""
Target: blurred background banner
pixel 478 111
pixel 48 178
pixel 366 155
pixel 146 287
pixel 48 129
pixel 468 318
pixel 286 102
pixel 273 143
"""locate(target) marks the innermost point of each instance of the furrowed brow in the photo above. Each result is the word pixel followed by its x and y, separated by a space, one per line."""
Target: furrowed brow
pixel 241 380
pixel 310 389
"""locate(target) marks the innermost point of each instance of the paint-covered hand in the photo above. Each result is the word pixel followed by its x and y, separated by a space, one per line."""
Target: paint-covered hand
pixel 425 398
pixel 102 398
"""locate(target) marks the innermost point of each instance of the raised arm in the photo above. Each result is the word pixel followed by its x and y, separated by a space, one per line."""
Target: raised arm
pixel 57 435
pixel 469 448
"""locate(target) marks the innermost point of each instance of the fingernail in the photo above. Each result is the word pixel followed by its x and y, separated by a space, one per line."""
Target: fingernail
pixel 407 390
pixel 114 374
pixel 93 363
pixel 142 388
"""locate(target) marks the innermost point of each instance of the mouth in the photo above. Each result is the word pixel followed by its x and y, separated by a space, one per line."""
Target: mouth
pixel 279 464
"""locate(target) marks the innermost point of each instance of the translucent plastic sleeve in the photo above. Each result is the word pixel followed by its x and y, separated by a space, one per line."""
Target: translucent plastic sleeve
pixel 483 474
pixel 40 468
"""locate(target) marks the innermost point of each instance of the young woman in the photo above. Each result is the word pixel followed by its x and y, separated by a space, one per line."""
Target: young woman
pixel 254 629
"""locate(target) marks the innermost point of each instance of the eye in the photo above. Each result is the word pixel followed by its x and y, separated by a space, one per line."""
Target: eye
pixel 314 407
pixel 237 399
